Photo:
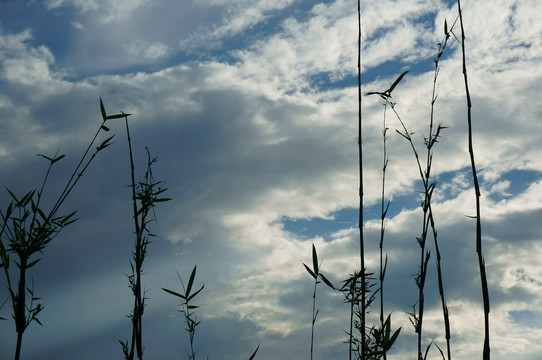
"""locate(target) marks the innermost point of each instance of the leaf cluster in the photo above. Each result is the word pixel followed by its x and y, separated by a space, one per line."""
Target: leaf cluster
pixel 187 308
pixel 27 229
pixel 315 271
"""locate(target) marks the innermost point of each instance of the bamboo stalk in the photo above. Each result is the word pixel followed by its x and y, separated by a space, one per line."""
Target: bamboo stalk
pixel 360 150
pixel 481 264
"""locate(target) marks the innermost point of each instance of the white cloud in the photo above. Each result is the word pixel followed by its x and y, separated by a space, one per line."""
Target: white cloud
pixel 244 14
pixel 104 11
pixel 147 52
pixel 23 64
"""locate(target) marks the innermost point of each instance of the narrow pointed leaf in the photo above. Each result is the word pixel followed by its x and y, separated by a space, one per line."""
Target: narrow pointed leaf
pixel 387 327
pixel 46 157
pixel 394 336
pixel 57 158
pixel 254 353
pixel 375 93
pixel 174 293
pixel 27 198
pixel 427 350
pixel 310 271
pixel 105 143
pixel 117 116
pixel 194 294
pixel 326 281
pixel 28 266
pixel 314 260
pixel 396 82
pixel 102 109
pixel 191 281
pixel 441 353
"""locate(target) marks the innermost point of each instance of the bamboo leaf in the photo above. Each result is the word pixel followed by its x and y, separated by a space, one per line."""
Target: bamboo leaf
pixel 67 217
pixel 174 293
pixel 190 281
pixel 58 158
pixel 385 267
pixel 13 196
pixel 46 157
pixel 117 116
pixel 314 260
pixel 27 198
pixel 391 341
pixel 41 214
pixel 194 294
pixel 441 353
pixel 387 328
pixel 28 266
pixel 102 109
pixel 310 271
pixel 427 350
pixel 326 281
pixel 395 83
pixel 375 93
pixel 385 211
pixel 254 353
pixel 105 143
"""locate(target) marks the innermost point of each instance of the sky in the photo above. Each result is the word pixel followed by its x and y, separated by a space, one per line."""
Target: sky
pixel 251 109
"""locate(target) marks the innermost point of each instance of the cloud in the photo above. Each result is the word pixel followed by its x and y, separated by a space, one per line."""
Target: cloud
pixel 146 51
pixel 25 65
pixel 241 15
pixel 104 11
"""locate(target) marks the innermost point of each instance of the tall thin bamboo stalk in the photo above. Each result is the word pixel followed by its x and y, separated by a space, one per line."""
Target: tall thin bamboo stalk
pixel 360 151
pixel 429 144
pixel 137 336
pixel 481 263
pixel 384 210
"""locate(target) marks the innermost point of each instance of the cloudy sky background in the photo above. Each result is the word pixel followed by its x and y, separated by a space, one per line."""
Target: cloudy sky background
pixel 251 108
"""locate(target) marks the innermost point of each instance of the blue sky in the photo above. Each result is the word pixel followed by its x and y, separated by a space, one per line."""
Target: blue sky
pixel 251 109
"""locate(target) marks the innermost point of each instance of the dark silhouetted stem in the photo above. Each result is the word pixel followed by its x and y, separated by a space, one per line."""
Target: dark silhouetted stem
pixel 360 150
pixel 138 304
pixel 384 209
pixel 485 291
pixel 19 310
pixel 313 315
